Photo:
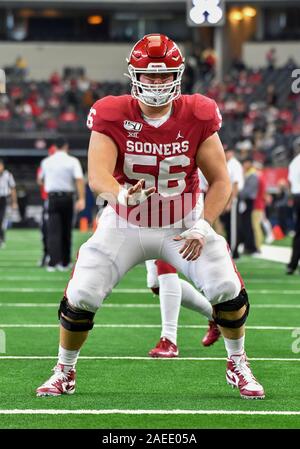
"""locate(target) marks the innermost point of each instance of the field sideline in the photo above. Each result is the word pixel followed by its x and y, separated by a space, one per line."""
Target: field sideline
pixel 118 385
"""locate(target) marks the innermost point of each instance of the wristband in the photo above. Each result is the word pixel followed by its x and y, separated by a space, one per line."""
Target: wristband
pixel 202 227
pixel 123 197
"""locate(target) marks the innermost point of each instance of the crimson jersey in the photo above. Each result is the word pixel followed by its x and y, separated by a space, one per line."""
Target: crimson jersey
pixel 163 156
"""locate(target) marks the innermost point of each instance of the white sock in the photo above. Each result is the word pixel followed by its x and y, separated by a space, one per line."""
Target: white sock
pixel 152 279
pixel 67 358
pixel 234 347
pixel 170 300
pixel 194 300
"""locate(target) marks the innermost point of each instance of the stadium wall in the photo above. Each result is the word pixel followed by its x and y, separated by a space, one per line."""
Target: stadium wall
pixel 102 62
pixel 254 53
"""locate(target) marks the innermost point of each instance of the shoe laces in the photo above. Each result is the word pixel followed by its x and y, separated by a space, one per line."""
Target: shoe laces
pixel 59 375
pixel 242 367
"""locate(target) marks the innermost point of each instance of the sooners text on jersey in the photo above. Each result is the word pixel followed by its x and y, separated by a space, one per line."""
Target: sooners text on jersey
pixel 163 156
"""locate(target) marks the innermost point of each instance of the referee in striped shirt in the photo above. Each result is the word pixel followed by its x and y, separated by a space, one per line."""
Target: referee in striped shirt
pixel 7 188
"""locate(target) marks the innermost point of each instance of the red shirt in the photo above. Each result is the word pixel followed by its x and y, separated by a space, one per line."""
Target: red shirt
pixel 163 156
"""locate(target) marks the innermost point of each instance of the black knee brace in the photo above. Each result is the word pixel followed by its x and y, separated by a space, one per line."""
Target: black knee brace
pixel 230 306
pixel 66 310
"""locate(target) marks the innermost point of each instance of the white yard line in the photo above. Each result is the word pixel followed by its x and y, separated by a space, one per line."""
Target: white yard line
pixel 146 412
pixel 199 359
pixel 145 326
pixel 18 265
pixel 32 278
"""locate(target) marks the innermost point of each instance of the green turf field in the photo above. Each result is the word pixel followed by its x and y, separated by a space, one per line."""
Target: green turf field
pixel 118 386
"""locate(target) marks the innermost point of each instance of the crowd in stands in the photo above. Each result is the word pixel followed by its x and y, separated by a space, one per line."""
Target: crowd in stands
pixel 261 114
pixel 59 105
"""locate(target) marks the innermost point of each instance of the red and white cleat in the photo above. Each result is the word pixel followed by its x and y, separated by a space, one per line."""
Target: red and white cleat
pixel 239 375
pixel 212 335
pixel 164 349
pixel 61 382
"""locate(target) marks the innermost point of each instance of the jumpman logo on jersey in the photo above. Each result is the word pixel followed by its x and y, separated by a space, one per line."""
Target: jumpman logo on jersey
pixel 179 136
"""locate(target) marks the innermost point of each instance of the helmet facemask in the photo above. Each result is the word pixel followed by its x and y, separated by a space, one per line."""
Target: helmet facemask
pixel 156 94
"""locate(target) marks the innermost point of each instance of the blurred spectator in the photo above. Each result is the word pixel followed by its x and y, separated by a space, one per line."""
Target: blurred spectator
pixel 247 197
pixel 55 79
pixel 271 58
pixel 189 75
pixel 238 64
pixel 43 224
pixel 22 201
pixel 294 179
pixel 83 83
pixel 208 61
pixel 280 206
pixel 291 64
pixel 69 115
pixel 271 95
pixel 21 67
pixel 5 113
pixel 88 98
pixel 230 217
pixel 259 219
pixel 61 175
pixel 7 189
pixel 90 205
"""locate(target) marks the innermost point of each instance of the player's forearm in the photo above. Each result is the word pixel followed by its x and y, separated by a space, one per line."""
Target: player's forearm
pixel 104 184
pixel 216 199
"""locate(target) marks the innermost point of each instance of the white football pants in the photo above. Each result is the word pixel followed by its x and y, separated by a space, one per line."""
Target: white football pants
pixel 117 246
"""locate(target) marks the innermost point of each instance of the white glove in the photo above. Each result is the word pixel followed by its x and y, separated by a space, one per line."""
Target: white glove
pixel 125 199
pixel 194 239
pixel 134 195
pixel 200 229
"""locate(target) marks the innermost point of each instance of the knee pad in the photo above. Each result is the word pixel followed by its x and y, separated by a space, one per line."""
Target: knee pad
pixel 230 306
pixel 66 310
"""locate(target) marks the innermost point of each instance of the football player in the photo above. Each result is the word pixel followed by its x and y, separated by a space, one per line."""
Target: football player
pixel 143 156
pixel 163 280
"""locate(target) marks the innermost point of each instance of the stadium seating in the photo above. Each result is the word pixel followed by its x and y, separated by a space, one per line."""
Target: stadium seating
pixel 257 107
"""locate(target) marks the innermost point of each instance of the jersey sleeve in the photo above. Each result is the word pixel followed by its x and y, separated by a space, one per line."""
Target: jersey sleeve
pixel 94 120
pixel 208 115
pixel 102 114
pixel 214 124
